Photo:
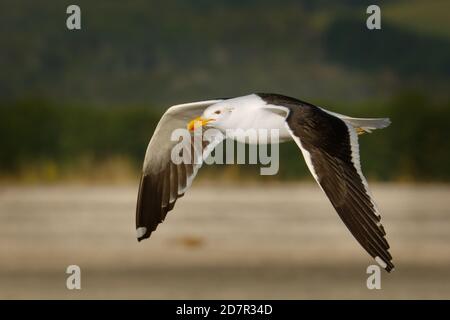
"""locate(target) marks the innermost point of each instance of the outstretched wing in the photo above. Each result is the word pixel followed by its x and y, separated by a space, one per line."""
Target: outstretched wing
pixel 331 151
pixel 163 181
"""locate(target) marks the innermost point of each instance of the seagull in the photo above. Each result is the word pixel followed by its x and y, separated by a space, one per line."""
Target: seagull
pixel 327 140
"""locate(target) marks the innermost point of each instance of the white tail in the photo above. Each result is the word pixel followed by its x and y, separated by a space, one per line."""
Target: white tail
pixel 363 124
pixel 367 124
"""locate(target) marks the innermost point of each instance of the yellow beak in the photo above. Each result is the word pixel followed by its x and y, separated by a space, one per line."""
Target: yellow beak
pixel 197 123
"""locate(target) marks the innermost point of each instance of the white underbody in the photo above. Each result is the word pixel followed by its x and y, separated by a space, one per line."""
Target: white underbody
pixel 252 114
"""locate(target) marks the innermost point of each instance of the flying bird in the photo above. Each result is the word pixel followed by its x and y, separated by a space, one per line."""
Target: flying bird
pixel 327 140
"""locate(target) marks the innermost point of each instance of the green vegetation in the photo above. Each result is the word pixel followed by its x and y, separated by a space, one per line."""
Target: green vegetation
pixel 77 104
pixel 44 141
pixel 429 17
pixel 50 141
pixel 398 50
pixel 161 52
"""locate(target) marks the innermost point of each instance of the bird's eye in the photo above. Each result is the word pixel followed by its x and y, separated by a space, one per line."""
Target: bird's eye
pixel 217 112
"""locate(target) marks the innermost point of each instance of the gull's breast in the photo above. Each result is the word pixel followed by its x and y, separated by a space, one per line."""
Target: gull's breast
pixel 260 126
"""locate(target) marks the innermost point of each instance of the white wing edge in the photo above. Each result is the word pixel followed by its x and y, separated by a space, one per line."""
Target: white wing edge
pixel 173 112
pixel 189 105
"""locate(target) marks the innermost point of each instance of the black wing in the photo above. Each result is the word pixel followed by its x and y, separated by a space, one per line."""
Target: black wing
pixel 330 147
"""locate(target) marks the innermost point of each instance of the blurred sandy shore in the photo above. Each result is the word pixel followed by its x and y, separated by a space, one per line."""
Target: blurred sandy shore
pixel 275 241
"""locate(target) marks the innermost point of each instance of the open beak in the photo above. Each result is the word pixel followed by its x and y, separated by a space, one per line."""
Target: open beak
pixel 197 123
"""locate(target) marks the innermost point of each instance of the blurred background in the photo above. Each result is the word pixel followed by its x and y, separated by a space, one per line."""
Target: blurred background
pixel 77 109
